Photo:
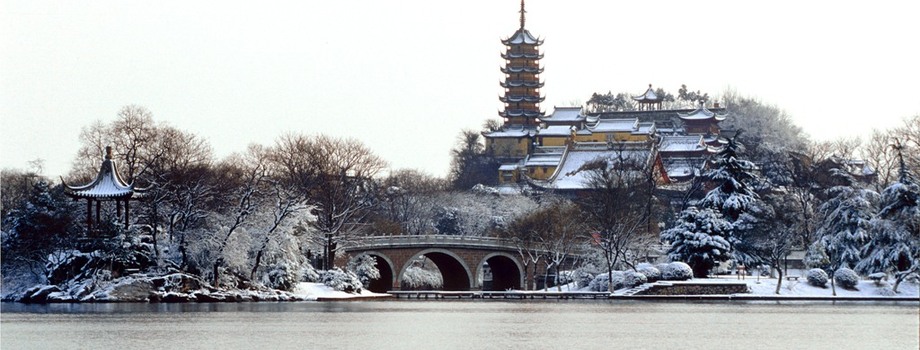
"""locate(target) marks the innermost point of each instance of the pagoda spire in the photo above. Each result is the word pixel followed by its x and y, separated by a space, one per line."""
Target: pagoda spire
pixel 522 14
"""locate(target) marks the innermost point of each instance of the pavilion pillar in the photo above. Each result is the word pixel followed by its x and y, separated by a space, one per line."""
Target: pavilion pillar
pixel 89 214
pixel 127 216
pixel 98 209
pixel 117 208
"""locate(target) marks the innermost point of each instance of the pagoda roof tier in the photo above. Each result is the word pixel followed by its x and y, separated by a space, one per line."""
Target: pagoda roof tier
pixel 522 98
pixel 107 184
pixel 522 36
pixel 521 113
pixel 520 83
pixel 512 69
pixel 649 96
pixel 702 113
pixel 513 55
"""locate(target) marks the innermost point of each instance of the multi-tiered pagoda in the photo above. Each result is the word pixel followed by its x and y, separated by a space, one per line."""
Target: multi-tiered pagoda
pixel 522 78
pixel 514 140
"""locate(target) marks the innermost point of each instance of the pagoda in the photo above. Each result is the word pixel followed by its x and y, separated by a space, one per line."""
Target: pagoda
pixel 107 187
pixel 522 78
pixel 521 115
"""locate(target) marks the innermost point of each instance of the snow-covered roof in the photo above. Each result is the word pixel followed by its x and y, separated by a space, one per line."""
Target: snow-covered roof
pixel 509 132
pixel 565 114
pixel 508 167
pixel 681 143
pixel 545 156
pixel 571 173
pixel 645 129
pixel 683 168
pixel 615 125
pixel 555 130
pixel 701 113
pixel 522 36
pixel 648 96
pixel 107 184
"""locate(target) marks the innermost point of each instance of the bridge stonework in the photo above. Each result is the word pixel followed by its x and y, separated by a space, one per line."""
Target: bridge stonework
pixel 460 261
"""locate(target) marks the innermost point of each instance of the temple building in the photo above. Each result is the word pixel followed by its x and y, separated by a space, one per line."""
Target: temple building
pixel 108 186
pixel 554 151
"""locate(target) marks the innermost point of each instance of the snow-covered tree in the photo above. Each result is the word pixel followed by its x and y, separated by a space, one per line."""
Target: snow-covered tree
pixel 700 238
pixel 894 246
pixel 733 178
pixel 365 267
pixel 846 225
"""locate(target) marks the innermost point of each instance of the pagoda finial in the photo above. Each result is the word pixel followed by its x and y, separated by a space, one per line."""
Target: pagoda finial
pixel 522 14
pixel 108 152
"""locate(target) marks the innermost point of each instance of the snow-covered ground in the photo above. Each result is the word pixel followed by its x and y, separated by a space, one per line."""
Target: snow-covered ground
pixel 319 291
pixel 800 288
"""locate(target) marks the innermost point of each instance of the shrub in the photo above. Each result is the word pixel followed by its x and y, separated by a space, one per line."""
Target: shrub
pixel 846 278
pixel 878 278
pixel 309 274
pixel 583 276
pixel 600 283
pixel 632 279
pixel 817 278
pixel 417 278
pixel 280 276
pixel 343 281
pixel 677 271
pixel 651 273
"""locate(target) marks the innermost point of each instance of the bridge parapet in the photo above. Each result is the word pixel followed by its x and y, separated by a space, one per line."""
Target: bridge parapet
pixel 446 241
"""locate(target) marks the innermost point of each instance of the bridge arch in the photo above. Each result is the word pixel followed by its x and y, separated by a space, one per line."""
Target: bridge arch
pixel 386 267
pixel 507 272
pixel 454 270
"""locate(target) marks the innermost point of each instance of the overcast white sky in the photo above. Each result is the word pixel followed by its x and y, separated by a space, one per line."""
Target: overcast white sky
pixel 406 76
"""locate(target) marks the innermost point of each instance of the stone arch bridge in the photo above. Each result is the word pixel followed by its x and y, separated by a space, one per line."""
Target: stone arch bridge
pixel 460 259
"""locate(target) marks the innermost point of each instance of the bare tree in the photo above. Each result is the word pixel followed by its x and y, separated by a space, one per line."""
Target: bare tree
pixel 337 178
pixel 620 203
pixel 248 171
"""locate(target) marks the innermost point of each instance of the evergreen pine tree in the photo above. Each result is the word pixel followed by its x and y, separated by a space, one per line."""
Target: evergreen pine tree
pixel 895 233
pixel 699 237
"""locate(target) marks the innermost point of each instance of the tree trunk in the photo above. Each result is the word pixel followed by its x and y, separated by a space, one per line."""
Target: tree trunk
pixel 779 280
pixel 833 286
pixel 217 264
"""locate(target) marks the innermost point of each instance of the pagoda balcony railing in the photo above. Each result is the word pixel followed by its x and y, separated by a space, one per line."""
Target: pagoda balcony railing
pixel 518 98
pixel 530 68
pixel 512 55
pixel 521 83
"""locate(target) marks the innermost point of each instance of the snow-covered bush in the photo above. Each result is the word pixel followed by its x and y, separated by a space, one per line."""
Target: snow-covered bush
pixel 600 283
pixel 878 278
pixel 619 280
pixel 583 275
pixel 651 273
pixel 344 281
pixel 661 267
pixel 308 273
pixel 418 278
pixel 281 276
pixel 846 278
pixel 817 278
pixel 677 271
pixel 632 279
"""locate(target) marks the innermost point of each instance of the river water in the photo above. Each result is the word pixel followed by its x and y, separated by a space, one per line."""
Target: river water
pixel 462 325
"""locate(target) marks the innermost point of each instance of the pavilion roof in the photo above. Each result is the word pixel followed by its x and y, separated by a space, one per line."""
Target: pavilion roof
pixel 702 113
pixel 107 184
pixel 649 96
